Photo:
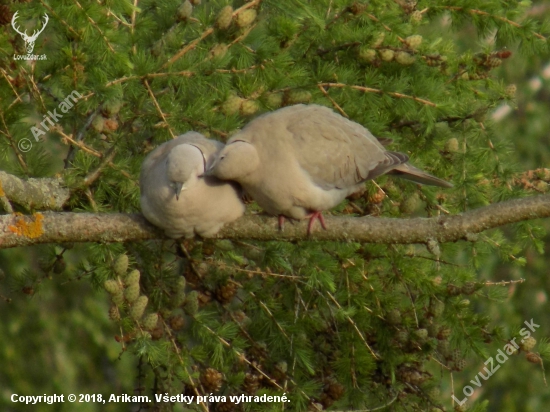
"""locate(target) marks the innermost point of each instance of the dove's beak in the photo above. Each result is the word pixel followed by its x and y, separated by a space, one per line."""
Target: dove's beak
pixel 209 171
pixel 179 188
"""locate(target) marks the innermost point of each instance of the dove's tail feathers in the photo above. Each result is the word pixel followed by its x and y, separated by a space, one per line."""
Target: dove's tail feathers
pixel 409 172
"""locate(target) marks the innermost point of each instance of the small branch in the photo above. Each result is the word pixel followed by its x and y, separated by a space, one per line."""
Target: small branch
pixel 184 73
pixel 94 174
pixel 503 282
pixel 133 24
pixel 161 114
pixel 59 19
pixel 245 33
pixel 8 80
pixel 352 323
pixel 124 23
pixel 6 132
pixel 69 139
pixel 189 47
pixel 322 52
pixel 374 18
pixel 336 105
pixel 378 91
pixel 34 193
pixel 95 26
pixel 484 13
pixel 79 137
pixel 119 227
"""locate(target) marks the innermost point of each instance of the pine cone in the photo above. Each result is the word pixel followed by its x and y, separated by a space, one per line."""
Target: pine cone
pixel 150 321
pixel 204 298
pixel 120 265
pixel 225 17
pixel 114 314
pixel 138 307
pixel 251 383
pixel 334 390
pixel 177 322
pixel 226 292
pixel 158 332
pixel 192 303
pixel 528 343
pixel 257 352
pixel 211 380
pixel 533 358
pixel 132 278
pixel 326 400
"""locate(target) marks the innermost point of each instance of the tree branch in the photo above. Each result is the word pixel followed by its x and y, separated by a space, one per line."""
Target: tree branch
pixel 17 230
pixel 43 193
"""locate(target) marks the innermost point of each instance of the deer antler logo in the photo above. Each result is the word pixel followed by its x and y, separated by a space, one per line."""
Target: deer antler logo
pixel 29 40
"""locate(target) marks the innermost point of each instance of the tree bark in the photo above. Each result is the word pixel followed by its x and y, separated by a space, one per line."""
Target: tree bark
pixel 51 227
pixel 43 193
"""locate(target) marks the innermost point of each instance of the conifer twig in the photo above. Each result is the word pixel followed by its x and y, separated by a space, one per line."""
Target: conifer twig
pixel 11 140
pixel 94 174
pixel 185 73
pixel 241 356
pixel 352 322
pixel 190 46
pixel 245 33
pixel 503 282
pixel 161 114
pixel 375 19
pixel 95 26
pixel 178 353
pixel 222 265
pixel 58 18
pixel 246 6
pixel 133 23
pixel 8 80
pixel 35 87
pixel 378 91
pixel 336 105
pixel 124 23
pixel 67 138
pixel 484 13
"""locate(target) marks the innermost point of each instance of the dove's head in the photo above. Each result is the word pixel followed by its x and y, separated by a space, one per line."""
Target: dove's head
pixel 235 161
pixel 184 165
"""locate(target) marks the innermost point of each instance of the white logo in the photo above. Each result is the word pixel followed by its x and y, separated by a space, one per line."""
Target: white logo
pixel 29 40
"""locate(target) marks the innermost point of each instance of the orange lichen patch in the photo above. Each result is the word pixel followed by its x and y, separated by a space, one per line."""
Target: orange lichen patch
pixel 31 228
pixel 1 190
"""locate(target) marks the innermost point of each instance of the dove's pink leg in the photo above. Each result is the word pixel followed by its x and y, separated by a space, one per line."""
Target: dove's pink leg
pixel 281 222
pixel 314 216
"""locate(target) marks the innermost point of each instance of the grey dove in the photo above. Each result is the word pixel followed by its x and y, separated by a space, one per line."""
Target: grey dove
pixel 300 160
pixel 175 195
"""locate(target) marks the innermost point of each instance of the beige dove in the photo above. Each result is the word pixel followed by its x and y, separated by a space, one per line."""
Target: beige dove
pixel 175 195
pixel 300 160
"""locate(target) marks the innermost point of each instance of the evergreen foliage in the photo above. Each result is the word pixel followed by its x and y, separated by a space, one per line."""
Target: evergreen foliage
pixel 345 326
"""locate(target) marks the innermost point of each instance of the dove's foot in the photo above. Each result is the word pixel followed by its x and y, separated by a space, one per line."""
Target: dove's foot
pixel 312 218
pixel 281 222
